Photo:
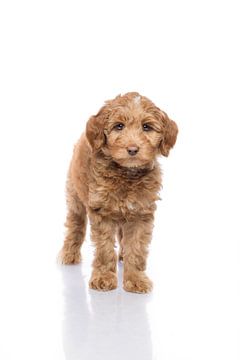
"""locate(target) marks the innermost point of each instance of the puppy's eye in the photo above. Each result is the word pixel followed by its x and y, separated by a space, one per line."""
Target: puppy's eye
pixel 119 126
pixel 147 127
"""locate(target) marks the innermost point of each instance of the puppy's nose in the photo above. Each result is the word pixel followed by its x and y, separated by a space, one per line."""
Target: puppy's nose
pixel 132 150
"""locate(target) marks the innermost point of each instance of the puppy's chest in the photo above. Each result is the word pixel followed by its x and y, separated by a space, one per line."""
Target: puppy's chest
pixel 122 199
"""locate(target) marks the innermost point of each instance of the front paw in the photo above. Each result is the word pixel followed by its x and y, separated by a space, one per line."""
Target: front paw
pixel 137 283
pixel 103 281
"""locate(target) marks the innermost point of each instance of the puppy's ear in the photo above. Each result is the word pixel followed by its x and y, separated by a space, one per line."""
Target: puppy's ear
pixel 95 130
pixel 169 135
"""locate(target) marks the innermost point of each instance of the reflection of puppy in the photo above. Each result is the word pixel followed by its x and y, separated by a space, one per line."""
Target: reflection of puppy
pixel 103 326
pixel 114 178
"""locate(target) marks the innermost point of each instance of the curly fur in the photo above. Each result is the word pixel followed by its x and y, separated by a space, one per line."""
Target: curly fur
pixel 117 191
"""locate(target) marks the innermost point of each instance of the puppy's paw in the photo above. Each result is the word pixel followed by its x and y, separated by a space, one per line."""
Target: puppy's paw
pixel 67 257
pixel 137 283
pixel 103 281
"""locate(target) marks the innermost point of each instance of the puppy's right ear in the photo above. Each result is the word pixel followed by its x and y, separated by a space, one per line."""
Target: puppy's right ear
pixel 95 130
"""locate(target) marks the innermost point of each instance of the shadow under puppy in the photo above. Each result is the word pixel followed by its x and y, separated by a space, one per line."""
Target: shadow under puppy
pixel 114 178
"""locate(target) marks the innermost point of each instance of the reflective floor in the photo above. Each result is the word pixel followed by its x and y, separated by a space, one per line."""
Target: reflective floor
pixel 103 325
pixel 48 311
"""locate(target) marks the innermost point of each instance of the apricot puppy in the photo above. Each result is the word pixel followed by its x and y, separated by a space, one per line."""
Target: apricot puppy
pixel 114 179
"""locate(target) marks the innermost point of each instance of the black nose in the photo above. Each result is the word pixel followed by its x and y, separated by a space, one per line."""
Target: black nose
pixel 132 150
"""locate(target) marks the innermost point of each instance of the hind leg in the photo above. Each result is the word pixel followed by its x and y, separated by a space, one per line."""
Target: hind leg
pixel 120 240
pixel 76 228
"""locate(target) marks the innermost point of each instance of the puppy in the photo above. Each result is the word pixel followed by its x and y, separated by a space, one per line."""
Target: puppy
pixel 114 179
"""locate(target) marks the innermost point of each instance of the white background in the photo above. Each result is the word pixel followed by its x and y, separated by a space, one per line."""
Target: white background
pixel 59 61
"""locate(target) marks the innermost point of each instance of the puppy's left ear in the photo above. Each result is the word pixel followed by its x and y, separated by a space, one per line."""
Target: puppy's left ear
pixel 169 135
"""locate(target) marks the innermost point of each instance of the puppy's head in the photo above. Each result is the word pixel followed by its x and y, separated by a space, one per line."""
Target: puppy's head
pixel 131 130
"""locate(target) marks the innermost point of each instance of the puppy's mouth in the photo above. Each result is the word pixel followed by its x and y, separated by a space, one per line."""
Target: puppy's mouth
pixel 132 162
pixel 128 160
